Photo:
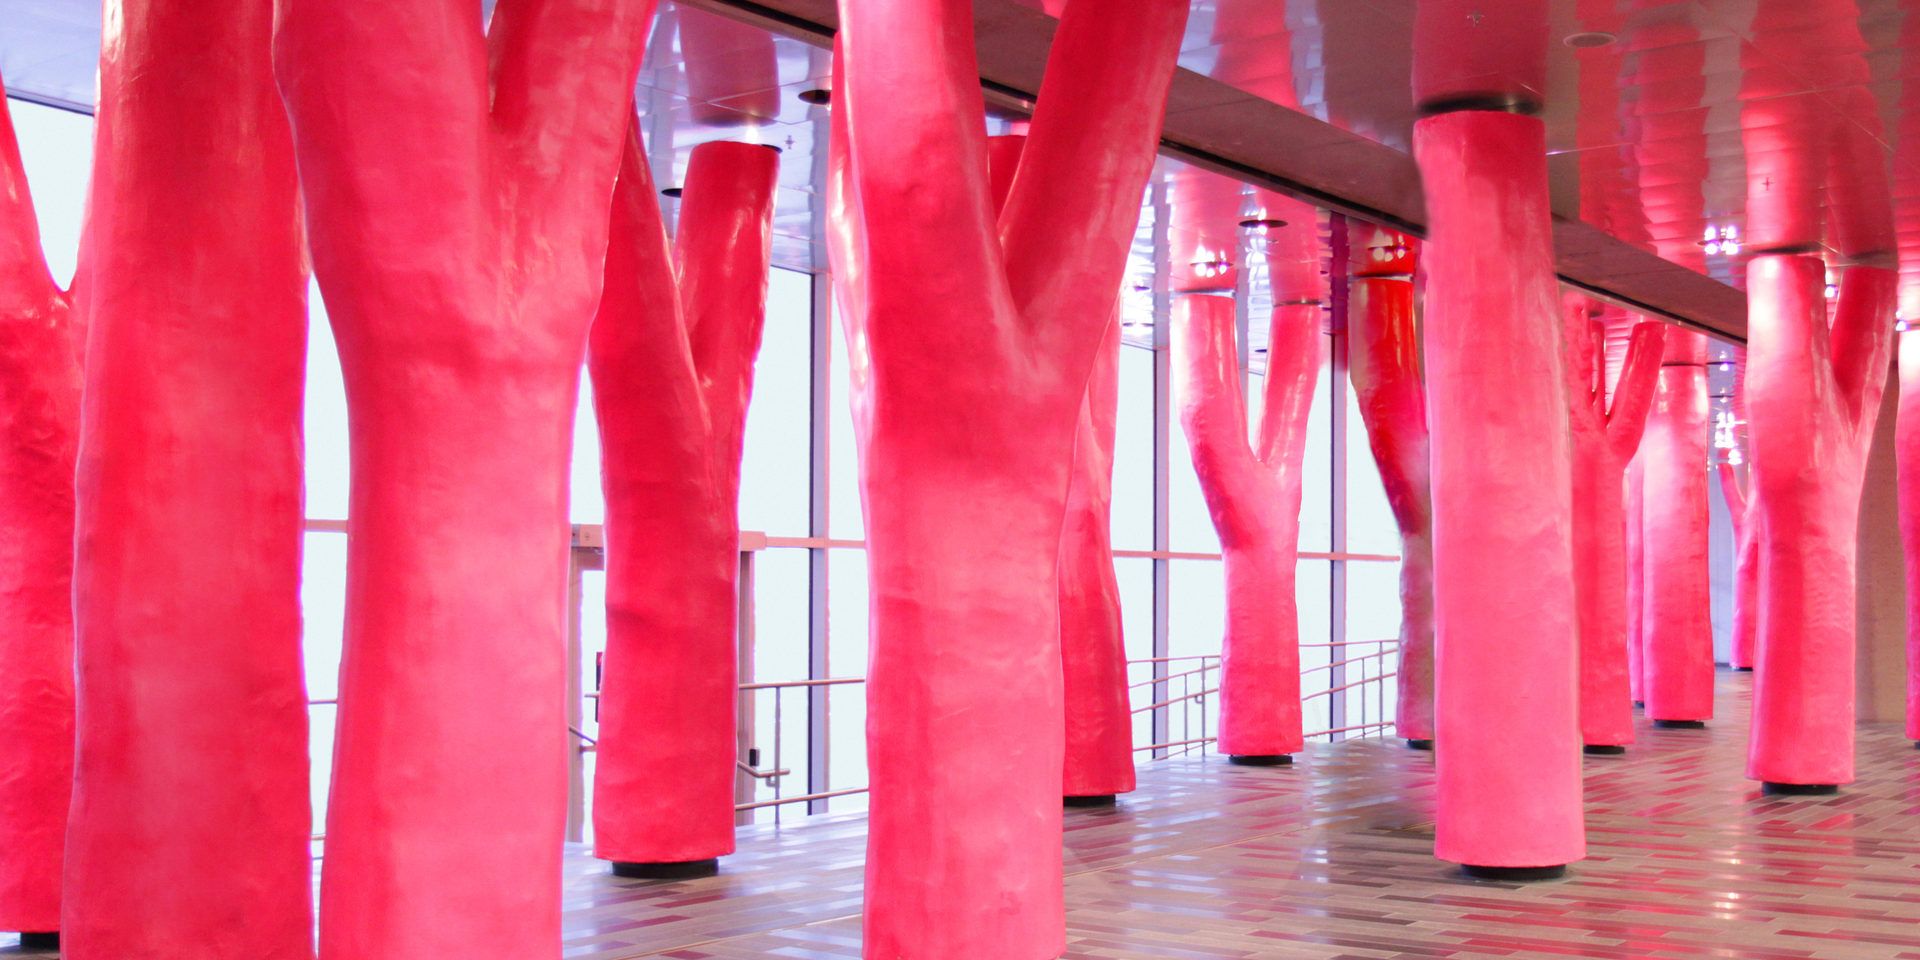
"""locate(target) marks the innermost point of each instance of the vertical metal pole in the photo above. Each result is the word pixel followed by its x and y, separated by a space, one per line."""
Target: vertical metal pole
pixel 1337 715
pixel 743 782
pixel 819 458
pixel 576 713
pixel 1162 443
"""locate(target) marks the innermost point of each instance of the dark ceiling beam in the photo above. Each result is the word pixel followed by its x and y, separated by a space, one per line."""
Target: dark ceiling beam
pixel 1219 127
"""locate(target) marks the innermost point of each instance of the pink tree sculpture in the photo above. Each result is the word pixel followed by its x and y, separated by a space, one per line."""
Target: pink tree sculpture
pixel 1506 642
pixel 1815 173
pixel 41 336
pixel 671 356
pixel 1746 571
pixel 1908 444
pixel 191 817
pixel 1253 495
pixel 1099 758
pixel 1383 356
pixel 1677 642
pixel 457 190
pixel 1605 435
pixel 971 339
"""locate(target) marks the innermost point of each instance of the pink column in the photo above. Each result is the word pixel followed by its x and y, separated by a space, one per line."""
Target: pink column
pixel 671 356
pixel 457 194
pixel 971 340
pixel 1677 608
pixel 1636 582
pixel 1605 436
pixel 1812 397
pixel 1746 571
pixel 1099 719
pixel 1908 448
pixel 1099 738
pixel 190 820
pixel 1509 773
pixel 1254 498
pixel 40 346
pixel 1383 357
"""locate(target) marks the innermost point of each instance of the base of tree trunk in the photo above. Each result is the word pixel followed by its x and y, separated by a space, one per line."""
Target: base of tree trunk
pixel 1420 744
pixel 1521 874
pixel 1799 789
pixel 1093 800
pixel 1604 749
pixel 40 941
pixel 1679 724
pixel 1260 759
pixel 671 870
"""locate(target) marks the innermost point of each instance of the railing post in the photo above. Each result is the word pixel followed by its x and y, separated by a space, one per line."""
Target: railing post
pixel 743 781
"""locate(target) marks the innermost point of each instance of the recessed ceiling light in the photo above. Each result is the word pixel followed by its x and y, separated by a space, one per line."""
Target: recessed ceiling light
pixel 1588 39
pixel 1261 226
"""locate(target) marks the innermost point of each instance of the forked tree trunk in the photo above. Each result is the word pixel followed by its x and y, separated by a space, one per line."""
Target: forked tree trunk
pixel 457 195
pixel 970 360
pixel 1253 496
pixel 1383 355
pixel 1605 435
pixel 40 347
pixel 672 356
pixel 1811 399
pixel 1677 658
pixel 191 814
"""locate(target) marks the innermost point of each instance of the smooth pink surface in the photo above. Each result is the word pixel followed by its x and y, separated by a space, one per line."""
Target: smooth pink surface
pixel 1746 570
pixel 191 815
pixel 457 193
pixel 1677 654
pixel 1812 397
pixel 1507 716
pixel 1093 651
pixel 40 345
pixel 971 339
pixel 1907 445
pixel 1383 361
pixel 1253 495
pixel 1605 435
pixel 671 356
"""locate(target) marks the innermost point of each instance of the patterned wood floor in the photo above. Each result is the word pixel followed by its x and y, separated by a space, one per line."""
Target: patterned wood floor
pixel 1331 859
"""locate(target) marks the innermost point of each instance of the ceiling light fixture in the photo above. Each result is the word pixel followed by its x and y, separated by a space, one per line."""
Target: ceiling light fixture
pixel 1261 226
pixel 1211 269
pixel 1588 39
pixel 1718 240
pixel 816 97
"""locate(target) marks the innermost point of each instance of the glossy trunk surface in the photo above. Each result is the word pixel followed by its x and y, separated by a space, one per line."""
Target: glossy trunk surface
pixel 1507 711
pixel 191 817
pixel 671 356
pixel 1677 608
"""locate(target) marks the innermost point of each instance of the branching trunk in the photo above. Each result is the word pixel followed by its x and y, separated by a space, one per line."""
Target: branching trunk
pixel 672 364
pixel 457 193
pixel 40 345
pixel 1253 496
pixel 1605 436
pixel 970 362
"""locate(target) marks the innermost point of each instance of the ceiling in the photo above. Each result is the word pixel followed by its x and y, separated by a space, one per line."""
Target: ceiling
pixel 1649 132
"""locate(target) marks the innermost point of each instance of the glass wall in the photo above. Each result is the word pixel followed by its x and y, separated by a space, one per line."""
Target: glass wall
pixel 800 488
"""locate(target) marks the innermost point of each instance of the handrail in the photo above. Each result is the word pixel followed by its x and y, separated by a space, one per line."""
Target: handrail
pixel 1174 743
pixel 1174 700
pixel 802 798
pixel 782 684
pixel 1357 726
pixel 1170 676
pixel 1342 663
pixel 1348 686
pixel 760 774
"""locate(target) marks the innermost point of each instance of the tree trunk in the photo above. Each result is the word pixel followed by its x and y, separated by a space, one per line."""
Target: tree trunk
pixel 457 193
pixel 1678 655
pixel 191 813
pixel 672 363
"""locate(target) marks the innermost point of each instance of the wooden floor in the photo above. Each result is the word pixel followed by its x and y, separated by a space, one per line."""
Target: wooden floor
pixel 1331 858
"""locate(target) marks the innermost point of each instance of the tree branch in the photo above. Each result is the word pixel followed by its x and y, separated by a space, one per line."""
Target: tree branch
pixel 1074 206
pixel 1296 351
pixel 562 76
pixel 1633 395
pixel 1206 384
pixel 723 253
pixel 26 285
pixel 1863 341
